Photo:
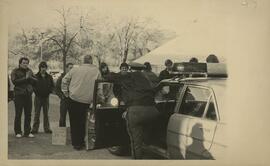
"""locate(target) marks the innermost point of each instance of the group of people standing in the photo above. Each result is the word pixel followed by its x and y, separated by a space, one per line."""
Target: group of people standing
pixel 75 89
pixel 25 83
pixel 68 90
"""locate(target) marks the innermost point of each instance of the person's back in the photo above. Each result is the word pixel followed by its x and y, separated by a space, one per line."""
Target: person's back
pixel 78 85
pixel 152 77
pixel 141 113
pixel 81 86
pixel 137 89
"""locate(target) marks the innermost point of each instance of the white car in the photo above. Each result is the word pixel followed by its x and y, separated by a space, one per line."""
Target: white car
pixel 192 123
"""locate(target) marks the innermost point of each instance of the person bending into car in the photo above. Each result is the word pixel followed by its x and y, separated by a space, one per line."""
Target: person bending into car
pixel 43 87
pixel 63 98
pixel 78 84
pixel 138 96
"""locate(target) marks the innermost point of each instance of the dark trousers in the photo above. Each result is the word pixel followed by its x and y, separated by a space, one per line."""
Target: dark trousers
pixel 77 118
pixel 140 120
pixel 63 112
pixel 23 103
pixel 41 102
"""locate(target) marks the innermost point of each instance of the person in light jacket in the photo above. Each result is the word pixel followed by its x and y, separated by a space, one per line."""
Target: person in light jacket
pixel 78 86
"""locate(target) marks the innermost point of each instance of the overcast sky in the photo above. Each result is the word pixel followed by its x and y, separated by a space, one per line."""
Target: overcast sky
pixel 205 24
pixel 174 14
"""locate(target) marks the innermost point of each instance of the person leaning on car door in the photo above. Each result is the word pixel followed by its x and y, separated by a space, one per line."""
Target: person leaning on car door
pixel 138 95
pixel 78 84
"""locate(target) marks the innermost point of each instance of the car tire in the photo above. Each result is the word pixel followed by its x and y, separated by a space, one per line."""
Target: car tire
pixel 120 150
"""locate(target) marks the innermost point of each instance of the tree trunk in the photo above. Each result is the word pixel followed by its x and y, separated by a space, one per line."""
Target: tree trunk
pixel 125 55
pixel 64 61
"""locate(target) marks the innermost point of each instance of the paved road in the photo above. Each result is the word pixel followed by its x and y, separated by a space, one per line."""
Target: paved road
pixel 41 146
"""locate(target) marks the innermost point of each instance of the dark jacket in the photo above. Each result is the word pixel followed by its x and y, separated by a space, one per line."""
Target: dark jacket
pixel 10 92
pixel 164 74
pixel 136 89
pixel 22 85
pixel 44 86
pixel 58 90
pixel 152 77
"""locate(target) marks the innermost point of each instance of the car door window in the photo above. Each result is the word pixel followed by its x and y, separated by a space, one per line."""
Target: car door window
pixel 105 95
pixel 194 101
pixel 168 93
pixel 211 111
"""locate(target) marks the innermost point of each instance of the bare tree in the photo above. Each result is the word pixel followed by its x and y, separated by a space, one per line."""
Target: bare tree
pixel 137 37
pixel 101 35
pixel 126 35
pixel 64 38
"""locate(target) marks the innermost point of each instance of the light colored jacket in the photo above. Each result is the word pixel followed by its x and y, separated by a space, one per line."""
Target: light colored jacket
pixel 79 83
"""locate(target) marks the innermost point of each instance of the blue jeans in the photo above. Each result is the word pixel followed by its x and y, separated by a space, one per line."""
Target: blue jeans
pixel 41 102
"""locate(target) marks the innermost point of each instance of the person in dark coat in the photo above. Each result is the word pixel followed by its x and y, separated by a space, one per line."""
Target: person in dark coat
pixel 43 87
pixel 10 91
pixel 193 60
pixel 212 59
pixel 150 75
pixel 117 84
pixel 23 80
pixel 63 98
pixel 138 95
pixel 165 74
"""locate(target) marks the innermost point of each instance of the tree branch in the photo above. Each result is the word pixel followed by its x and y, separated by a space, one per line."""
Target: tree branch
pixel 13 52
pixel 56 41
pixel 70 41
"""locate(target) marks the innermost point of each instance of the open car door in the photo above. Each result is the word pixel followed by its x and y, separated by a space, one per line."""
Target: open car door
pixel 105 126
pixel 192 128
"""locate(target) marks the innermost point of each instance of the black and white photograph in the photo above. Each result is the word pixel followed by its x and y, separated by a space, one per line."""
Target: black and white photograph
pixel 116 80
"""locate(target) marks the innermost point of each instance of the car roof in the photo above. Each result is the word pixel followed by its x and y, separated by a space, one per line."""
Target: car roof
pixel 220 91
